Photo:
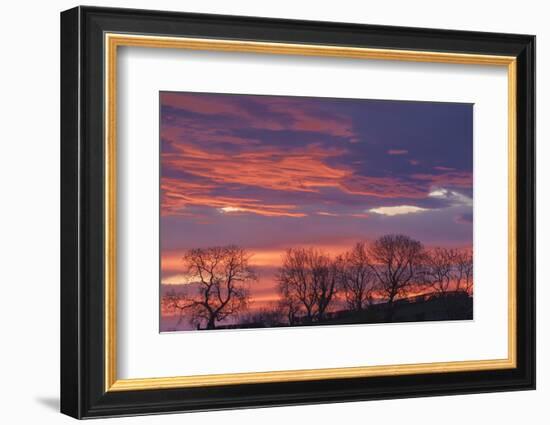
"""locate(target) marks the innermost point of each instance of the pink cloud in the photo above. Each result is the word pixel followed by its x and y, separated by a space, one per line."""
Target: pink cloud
pixel 452 179
pixel 178 195
pixel 299 170
pixel 285 114
pixel 383 187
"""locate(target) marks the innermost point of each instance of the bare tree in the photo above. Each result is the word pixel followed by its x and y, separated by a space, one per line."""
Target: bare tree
pixel 396 261
pixel 308 277
pixel 439 270
pixel 465 271
pixel 357 277
pixel 221 276
pixel 289 307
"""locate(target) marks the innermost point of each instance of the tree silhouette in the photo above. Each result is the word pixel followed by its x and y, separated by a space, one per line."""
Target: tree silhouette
pixel 222 276
pixel 440 272
pixel 396 261
pixel 289 307
pixel 308 279
pixel 465 271
pixel 357 277
pixel 440 269
pixel 448 270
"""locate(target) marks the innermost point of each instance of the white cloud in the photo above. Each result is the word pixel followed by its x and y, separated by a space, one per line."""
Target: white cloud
pixel 397 210
pixel 230 209
pixel 454 198
pixel 438 193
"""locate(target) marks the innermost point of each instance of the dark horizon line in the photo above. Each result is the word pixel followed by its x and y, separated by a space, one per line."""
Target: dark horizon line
pixel 352 315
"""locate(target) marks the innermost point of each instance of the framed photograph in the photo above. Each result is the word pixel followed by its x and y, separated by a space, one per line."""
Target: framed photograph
pixel 261 212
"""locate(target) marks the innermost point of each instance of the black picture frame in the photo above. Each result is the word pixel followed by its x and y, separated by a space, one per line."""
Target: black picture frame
pixel 83 392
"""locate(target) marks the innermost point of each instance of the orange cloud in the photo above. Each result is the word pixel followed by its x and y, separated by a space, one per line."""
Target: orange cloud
pixel 197 103
pixel 360 215
pixel 453 179
pixel 304 116
pixel 177 195
pixel 271 257
pixel 327 214
pixel 297 170
pixel 301 170
pixel 193 147
pixel 383 187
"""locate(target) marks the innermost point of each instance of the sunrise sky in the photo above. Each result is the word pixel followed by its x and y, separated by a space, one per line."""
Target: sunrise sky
pixel 272 172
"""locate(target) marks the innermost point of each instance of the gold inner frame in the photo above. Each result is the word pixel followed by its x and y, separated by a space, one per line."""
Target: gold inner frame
pixel 113 41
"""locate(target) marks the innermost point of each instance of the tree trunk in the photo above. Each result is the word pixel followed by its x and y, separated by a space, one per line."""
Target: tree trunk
pixel 211 323
pixel 389 312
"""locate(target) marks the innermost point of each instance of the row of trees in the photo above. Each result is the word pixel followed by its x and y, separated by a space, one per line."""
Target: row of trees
pixel 310 280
